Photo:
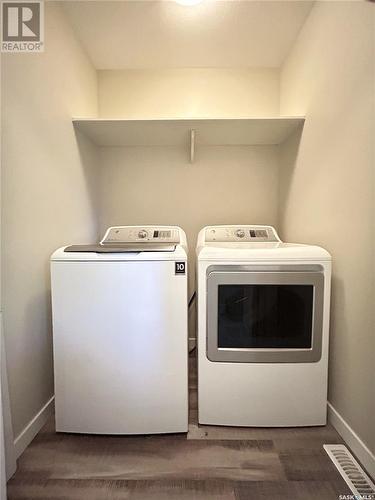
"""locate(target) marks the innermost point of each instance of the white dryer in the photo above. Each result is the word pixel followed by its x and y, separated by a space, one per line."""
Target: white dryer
pixel 120 333
pixel 263 326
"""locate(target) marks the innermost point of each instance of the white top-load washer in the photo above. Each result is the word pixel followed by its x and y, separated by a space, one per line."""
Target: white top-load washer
pixel 263 325
pixel 120 333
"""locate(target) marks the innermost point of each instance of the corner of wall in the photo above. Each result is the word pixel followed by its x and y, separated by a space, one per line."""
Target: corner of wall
pixel 329 76
pixel 54 159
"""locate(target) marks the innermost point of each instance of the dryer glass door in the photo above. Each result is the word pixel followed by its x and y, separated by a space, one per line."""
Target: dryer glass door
pixel 262 316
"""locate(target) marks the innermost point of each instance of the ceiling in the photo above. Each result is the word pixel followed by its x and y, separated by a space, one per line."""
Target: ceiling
pixel 164 34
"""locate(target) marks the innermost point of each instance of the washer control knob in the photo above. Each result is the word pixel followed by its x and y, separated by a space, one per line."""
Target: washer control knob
pixel 240 233
pixel 142 234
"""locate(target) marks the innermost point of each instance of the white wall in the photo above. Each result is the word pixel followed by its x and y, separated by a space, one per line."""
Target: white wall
pixel 189 92
pixel 47 197
pixel 225 185
pixel 327 190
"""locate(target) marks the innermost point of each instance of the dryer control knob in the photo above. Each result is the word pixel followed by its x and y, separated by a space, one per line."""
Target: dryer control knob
pixel 142 234
pixel 240 233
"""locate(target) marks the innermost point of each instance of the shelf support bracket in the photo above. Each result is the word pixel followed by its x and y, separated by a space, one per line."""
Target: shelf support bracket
pixel 192 145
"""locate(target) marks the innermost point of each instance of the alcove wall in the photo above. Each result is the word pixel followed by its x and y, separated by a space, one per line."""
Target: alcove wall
pixel 327 195
pixel 48 198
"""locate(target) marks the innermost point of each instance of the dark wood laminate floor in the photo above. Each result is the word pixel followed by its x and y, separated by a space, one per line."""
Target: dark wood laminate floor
pixel 210 463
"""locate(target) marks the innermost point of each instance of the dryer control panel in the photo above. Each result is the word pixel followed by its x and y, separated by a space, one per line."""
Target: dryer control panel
pixel 247 234
pixel 119 235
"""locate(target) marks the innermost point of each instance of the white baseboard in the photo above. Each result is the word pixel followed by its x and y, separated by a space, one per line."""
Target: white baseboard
pixel 358 447
pixel 33 427
pixel 10 458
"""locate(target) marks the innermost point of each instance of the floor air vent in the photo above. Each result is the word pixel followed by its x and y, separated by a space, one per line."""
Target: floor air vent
pixel 357 480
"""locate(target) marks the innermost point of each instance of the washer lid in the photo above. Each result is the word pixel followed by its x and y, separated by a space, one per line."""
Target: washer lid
pixel 122 248
pixel 130 243
pixel 178 254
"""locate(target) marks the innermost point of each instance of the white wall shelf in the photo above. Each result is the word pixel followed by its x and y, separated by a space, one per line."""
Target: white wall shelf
pixel 188 132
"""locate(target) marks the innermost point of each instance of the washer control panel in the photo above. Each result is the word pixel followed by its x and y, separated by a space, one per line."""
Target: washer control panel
pixel 241 233
pixel 118 235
